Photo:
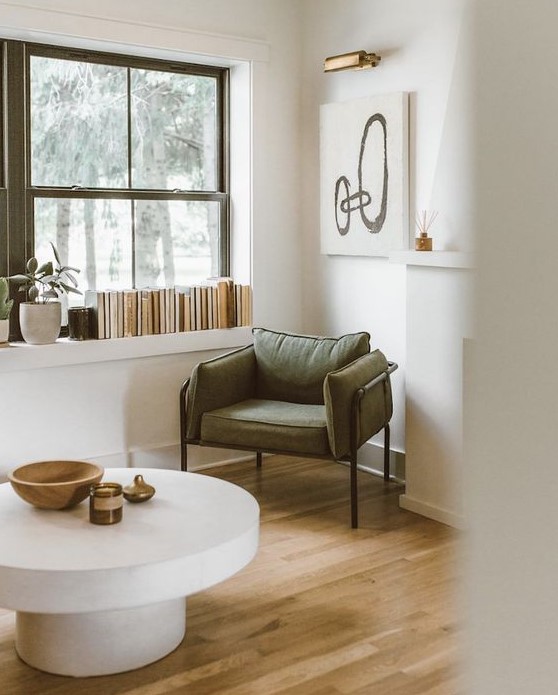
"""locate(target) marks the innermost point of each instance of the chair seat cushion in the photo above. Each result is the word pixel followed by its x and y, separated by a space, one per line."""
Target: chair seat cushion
pixel 269 426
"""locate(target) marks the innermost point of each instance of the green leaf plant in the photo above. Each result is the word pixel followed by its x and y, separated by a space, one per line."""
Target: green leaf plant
pixel 46 281
pixel 5 303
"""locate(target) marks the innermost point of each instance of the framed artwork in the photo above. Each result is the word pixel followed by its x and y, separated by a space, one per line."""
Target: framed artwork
pixel 364 176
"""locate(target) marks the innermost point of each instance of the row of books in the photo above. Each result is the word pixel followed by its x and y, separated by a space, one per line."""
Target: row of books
pixel 218 303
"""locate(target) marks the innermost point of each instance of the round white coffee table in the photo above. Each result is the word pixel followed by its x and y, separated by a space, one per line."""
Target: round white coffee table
pixel 94 600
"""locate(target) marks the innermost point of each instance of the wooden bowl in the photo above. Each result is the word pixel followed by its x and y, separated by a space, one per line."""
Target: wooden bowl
pixel 55 484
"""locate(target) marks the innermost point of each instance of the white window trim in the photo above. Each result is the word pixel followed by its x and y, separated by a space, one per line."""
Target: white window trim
pixel 27 22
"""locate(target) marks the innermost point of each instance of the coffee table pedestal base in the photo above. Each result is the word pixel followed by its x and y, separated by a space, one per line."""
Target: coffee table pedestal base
pixel 100 643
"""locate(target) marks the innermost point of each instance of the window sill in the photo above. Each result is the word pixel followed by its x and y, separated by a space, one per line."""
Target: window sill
pixel 65 352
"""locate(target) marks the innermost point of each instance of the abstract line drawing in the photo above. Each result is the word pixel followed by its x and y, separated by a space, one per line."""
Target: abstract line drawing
pixel 364 176
pixel 346 203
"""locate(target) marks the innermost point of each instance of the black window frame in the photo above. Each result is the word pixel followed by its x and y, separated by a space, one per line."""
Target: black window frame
pixel 17 195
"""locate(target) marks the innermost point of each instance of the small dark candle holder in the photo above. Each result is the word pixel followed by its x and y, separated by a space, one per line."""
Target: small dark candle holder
pixel 80 323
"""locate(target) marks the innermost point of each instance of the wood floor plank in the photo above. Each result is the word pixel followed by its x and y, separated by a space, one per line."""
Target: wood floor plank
pixel 322 610
pixel 304 670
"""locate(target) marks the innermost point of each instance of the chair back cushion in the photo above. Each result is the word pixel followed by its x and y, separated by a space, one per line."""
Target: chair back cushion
pixel 292 367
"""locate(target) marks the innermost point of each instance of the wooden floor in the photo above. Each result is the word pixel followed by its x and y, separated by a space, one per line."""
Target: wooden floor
pixel 322 610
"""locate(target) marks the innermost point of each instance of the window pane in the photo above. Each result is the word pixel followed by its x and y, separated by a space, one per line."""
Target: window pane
pixel 177 243
pixel 92 235
pixel 173 131
pixel 79 124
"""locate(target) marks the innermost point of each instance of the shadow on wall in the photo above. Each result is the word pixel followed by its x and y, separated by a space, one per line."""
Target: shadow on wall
pixel 150 412
pixel 151 416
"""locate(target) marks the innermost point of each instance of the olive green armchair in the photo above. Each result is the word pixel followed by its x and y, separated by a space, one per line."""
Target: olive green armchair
pixel 291 394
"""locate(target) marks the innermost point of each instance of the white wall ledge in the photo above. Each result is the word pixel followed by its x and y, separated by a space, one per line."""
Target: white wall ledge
pixel 64 352
pixel 436 259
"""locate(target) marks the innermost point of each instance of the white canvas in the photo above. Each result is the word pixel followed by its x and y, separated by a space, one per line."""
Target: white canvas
pixel 364 176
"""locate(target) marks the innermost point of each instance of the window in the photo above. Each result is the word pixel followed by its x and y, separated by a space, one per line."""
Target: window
pixel 120 162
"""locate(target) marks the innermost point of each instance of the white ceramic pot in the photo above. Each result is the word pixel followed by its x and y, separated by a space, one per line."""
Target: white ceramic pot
pixel 4 330
pixel 40 323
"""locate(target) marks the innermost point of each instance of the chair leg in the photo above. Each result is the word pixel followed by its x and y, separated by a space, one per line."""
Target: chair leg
pixel 258 459
pixel 386 452
pixel 354 492
pixel 182 413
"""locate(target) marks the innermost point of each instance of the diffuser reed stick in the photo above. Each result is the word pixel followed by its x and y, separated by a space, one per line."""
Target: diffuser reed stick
pixel 425 220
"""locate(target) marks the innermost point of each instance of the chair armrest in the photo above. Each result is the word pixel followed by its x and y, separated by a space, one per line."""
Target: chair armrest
pixel 216 383
pixel 358 401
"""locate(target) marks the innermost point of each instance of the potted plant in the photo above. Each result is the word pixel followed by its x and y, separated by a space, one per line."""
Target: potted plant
pixel 40 317
pixel 5 309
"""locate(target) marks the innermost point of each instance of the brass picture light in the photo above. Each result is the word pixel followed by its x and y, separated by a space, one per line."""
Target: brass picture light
pixel 357 60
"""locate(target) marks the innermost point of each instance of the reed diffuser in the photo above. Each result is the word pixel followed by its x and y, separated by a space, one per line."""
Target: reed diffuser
pixel 424 221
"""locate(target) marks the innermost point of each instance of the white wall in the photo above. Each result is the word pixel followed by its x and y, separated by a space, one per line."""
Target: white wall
pixel 108 411
pixel 511 433
pixel 344 294
pixel 416 316
pixel 111 409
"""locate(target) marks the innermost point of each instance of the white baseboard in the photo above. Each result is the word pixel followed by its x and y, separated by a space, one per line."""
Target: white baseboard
pixel 168 457
pixel 432 512
pixel 371 457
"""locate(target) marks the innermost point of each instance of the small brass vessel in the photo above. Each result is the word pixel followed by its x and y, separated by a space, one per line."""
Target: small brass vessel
pixel 423 242
pixel 139 490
